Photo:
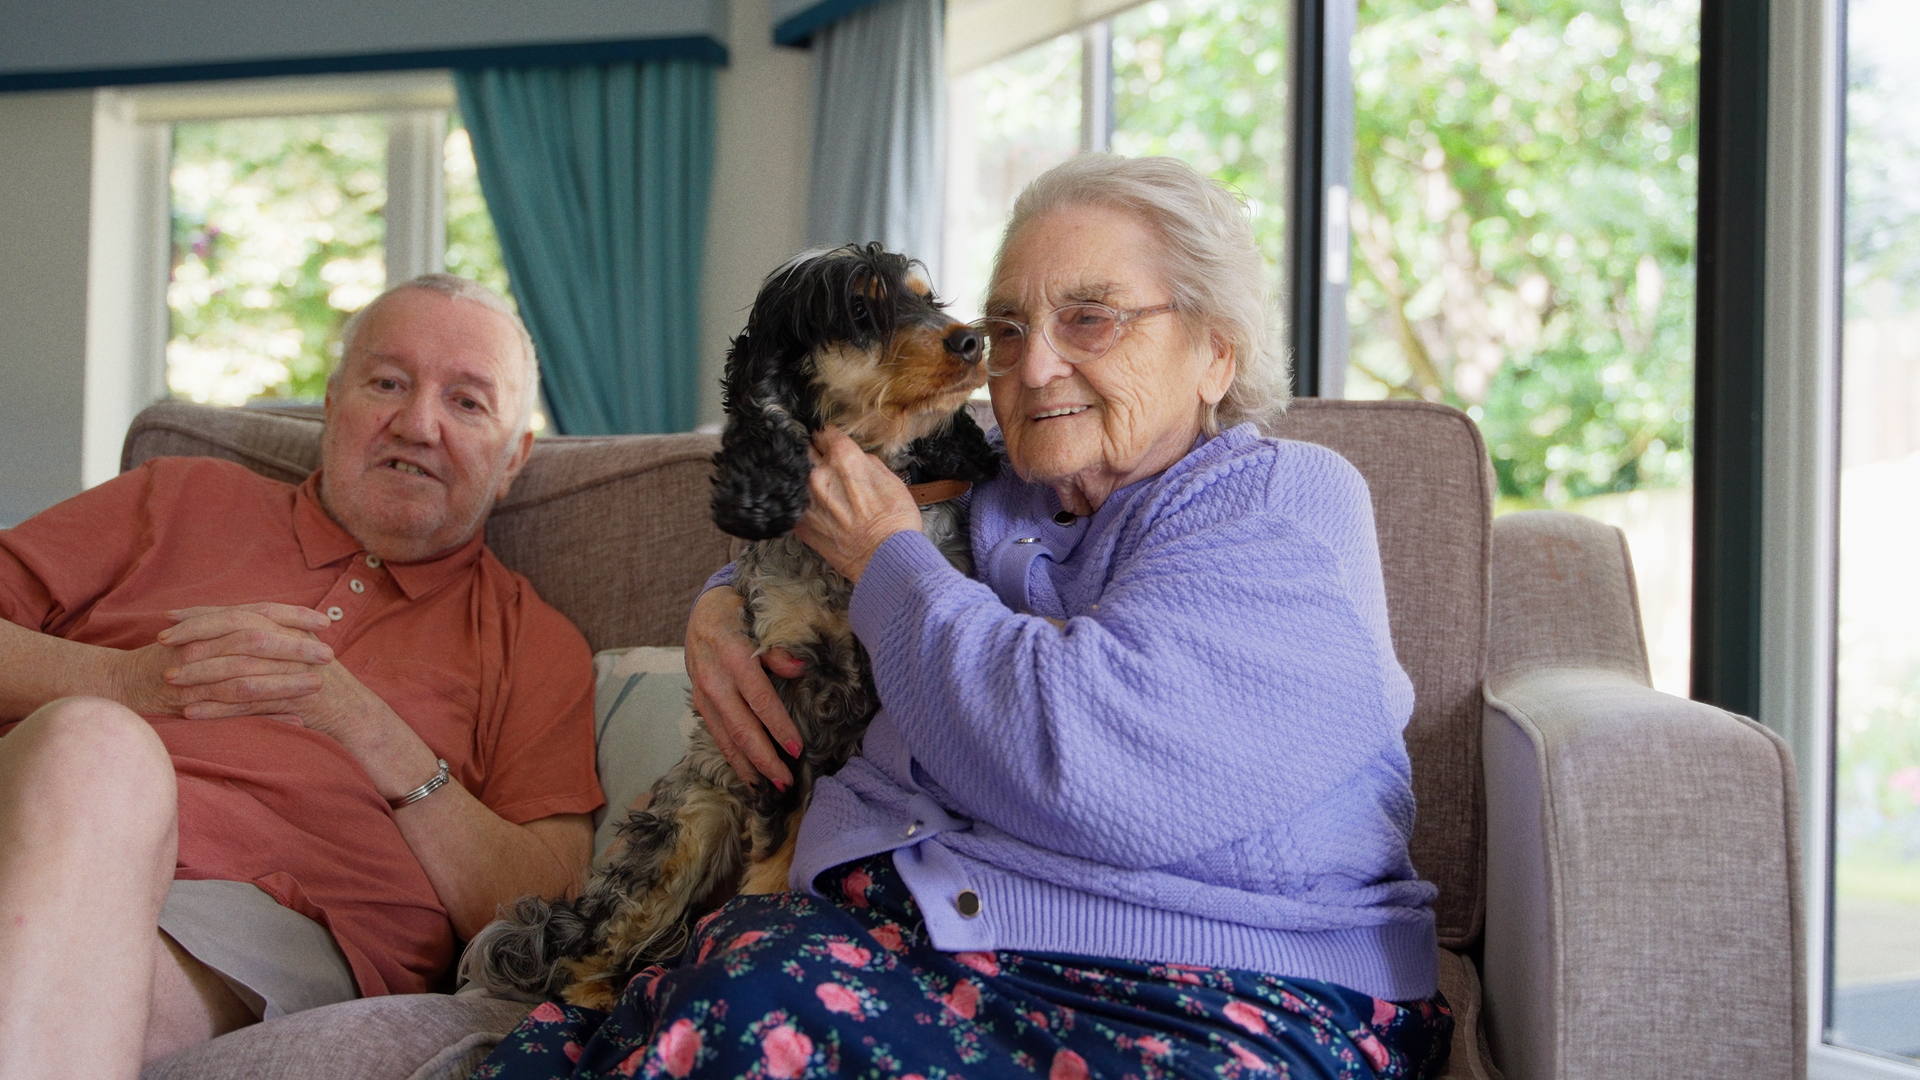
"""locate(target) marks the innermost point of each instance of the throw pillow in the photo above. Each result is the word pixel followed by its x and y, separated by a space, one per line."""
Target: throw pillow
pixel 642 720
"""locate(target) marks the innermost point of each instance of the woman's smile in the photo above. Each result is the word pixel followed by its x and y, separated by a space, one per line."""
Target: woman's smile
pixel 1094 425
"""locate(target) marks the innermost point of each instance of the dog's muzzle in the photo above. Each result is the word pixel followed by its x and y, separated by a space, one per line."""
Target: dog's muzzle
pixel 964 343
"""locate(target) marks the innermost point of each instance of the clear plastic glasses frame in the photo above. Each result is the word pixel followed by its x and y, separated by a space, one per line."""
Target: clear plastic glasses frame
pixel 1077 332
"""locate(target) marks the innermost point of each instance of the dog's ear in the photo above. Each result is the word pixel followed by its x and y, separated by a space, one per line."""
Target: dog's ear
pixel 959 451
pixel 760 473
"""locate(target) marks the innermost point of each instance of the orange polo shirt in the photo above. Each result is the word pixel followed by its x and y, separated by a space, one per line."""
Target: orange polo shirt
pixel 491 677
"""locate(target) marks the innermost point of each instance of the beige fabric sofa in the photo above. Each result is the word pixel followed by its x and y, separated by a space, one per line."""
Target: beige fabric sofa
pixel 1620 864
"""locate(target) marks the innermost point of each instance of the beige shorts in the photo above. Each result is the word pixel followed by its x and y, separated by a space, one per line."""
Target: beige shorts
pixel 277 960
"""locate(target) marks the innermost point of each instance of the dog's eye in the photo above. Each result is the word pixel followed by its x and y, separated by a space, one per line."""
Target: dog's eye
pixel 859 309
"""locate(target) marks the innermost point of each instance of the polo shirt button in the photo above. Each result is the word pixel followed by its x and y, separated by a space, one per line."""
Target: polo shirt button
pixel 373 561
pixel 968 902
pixel 357 585
pixel 336 614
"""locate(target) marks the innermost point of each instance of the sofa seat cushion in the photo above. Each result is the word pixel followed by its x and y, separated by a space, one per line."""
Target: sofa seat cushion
pixel 403 1037
pixel 438 1037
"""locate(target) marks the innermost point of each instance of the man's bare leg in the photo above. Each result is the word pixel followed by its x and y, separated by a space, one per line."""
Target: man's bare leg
pixel 190 1003
pixel 88 833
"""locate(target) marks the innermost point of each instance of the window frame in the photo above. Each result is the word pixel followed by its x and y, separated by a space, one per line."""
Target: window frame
pixel 1796 333
pixel 416 103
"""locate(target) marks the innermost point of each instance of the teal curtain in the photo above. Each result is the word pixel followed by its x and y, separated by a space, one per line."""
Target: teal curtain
pixel 597 178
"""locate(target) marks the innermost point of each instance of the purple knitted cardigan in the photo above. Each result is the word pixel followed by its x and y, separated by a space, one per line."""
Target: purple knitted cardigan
pixel 1204 767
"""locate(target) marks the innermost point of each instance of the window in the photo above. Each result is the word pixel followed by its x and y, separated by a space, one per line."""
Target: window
pixel 1522 213
pixel 1007 123
pixel 278 233
pixel 1874 959
pixel 1523 220
pixel 1201 80
pixel 285 224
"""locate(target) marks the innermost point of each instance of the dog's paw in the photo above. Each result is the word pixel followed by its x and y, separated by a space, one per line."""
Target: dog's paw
pixel 592 989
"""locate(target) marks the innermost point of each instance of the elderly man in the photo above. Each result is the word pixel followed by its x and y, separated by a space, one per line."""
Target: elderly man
pixel 310 734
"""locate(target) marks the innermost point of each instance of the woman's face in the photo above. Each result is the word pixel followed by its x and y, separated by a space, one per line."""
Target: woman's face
pixel 1092 428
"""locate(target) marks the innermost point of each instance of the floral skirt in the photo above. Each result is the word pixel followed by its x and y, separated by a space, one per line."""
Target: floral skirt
pixel 789 985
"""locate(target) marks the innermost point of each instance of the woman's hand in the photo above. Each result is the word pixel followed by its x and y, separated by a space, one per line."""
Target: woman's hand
pixel 732 693
pixel 855 504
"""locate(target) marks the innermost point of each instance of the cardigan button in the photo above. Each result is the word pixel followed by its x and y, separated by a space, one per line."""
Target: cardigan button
pixel 1065 519
pixel 1028 540
pixel 968 902
pixel 913 830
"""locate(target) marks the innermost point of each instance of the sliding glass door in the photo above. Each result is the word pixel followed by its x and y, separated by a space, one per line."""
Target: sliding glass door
pixel 1874 963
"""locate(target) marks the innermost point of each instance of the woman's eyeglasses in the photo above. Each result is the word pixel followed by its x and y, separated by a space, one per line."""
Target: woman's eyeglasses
pixel 1077 332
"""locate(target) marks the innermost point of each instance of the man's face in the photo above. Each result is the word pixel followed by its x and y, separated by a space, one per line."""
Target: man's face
pixel 422 432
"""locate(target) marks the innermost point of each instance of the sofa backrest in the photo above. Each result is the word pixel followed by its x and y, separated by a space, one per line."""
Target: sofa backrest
pixel 583 507
pixel 1432 488
pixel 573 522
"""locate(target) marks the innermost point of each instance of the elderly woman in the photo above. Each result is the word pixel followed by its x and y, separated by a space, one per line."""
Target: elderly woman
pixel 1138 802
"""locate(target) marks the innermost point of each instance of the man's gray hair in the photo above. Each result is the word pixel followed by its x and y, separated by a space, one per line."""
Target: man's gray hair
pixel 454 287
pixel 1208 258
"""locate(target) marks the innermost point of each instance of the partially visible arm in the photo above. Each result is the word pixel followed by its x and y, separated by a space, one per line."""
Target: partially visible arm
pixel 476 859
pixel 732 693
pixel 36 668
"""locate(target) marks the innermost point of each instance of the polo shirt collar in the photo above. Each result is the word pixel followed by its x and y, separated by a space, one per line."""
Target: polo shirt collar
pixel 323 542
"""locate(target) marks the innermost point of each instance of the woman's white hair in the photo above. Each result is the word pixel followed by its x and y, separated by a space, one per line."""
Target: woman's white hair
pixel 1207 258
pixel 454 287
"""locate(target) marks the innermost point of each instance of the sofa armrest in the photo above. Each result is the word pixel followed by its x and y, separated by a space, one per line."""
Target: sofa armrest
pixel 1643 900
pixel 1643 891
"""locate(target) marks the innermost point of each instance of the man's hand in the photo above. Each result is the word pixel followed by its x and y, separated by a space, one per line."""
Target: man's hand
pixel 732 694
pixel 263 660
pixel 226 661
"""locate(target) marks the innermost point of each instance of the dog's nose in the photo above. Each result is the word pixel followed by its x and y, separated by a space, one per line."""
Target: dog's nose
pixel 964 342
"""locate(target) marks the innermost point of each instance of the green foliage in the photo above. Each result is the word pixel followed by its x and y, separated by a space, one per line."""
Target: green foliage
pixel 278 234
pixel 1523 208
pixel 1524 192
pixel 1876 747
pixel 1024 116
pixel 1206 82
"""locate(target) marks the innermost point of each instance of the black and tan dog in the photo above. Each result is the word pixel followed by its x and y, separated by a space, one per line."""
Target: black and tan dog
pixel 850 337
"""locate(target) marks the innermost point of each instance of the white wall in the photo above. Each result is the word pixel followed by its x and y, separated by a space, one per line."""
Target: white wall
pixel 82 272
pixel 128 258
pixel 759 209
pixel 45 203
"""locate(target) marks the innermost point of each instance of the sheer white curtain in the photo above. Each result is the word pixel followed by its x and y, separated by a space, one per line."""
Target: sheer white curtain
pixel 878 103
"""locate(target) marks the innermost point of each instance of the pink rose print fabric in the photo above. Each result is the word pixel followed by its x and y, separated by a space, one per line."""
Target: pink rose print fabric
pixel 788 986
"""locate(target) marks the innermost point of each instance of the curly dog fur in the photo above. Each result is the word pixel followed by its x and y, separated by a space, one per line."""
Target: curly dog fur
pixel 851 337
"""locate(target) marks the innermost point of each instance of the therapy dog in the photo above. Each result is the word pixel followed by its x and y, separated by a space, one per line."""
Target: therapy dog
pixel 850 337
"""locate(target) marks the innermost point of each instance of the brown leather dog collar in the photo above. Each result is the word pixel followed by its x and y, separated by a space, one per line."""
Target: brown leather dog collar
pixel 938 491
